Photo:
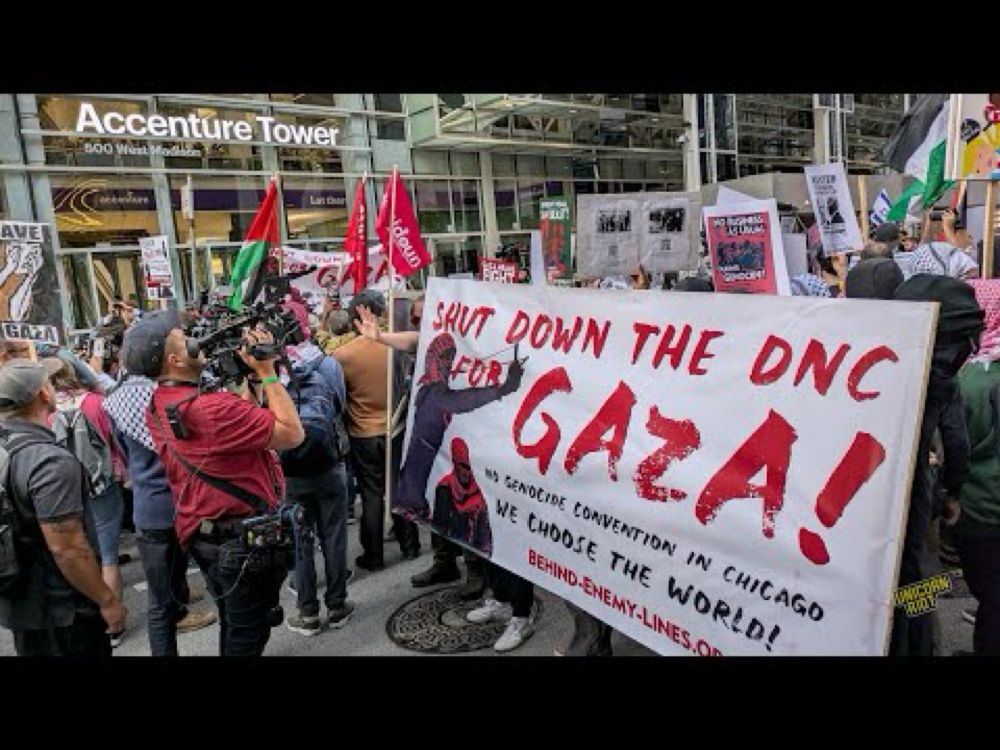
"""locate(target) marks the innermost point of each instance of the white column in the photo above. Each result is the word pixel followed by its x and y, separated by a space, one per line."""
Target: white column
pixel 489 204
pixel 692 167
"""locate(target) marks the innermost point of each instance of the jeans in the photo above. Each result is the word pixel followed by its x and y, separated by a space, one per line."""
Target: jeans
pixel 245 597
pixel 164 564
pixel 324 506
pixel 368 455
pixel 510 588
pixel 86 637
pixel 106 512
pixel 981 566
pixel 913 636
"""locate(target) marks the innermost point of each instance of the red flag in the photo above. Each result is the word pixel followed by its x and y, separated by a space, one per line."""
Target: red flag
pixel 407 251
pixel 356 241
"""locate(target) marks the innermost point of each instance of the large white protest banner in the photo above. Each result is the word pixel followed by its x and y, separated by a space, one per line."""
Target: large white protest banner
pixel 709 474
pixel 833 208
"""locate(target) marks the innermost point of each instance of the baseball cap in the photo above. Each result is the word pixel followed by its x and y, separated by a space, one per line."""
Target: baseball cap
pixel 143 346
pixel 22 379
pixel 887 232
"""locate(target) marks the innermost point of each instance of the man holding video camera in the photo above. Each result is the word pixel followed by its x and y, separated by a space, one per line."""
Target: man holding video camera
pixel 218 452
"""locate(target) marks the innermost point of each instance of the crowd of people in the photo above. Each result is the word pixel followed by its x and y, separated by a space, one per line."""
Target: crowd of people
pixel 248 480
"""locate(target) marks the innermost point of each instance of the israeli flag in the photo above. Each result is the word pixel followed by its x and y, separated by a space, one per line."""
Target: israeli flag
pixel 880 210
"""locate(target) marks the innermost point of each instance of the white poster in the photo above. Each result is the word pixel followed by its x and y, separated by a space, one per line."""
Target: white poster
pixel 608 233
pixel 707 473
pixel 796 255
pixel 669 232
pixel 833 208
pixel 727 196
pixel 537 260
pixel 328 270
pixel 158 273
pixel 973 151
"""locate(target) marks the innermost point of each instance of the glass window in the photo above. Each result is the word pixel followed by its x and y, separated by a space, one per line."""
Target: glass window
pixel 76 271
pixel 706 174
pixel 203 154
pixel 315 207
pixel 223 207
pixel 465 199
pixel 504 195
pixel 89 149
pixel 529 195
pixel 319 100
pixel 118 274
pixel 103 209
pixel 702 121
pixel 725 166
pixel 305 158
pixel 433 206
pixel 389 130
pixel 725 133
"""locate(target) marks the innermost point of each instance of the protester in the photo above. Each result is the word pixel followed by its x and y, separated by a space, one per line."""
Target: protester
pixel 512 602
pixel 875 250
pixel 887 235
pixel 58 604
pixel 978 521
pixel 694 284
pixel 944 258
pixel 808 285
pixel 960 321
pixel 317 482
pixel 366 368
pixel 164 563
pixel 221 471
pixel 875 278
pixel 83 428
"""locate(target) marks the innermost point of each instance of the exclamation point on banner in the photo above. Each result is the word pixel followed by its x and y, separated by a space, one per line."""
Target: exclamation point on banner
pixel 864 456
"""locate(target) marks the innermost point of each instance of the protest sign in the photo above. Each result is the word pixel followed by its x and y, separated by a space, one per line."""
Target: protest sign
pixel 744 242
pixel 537 259
pixel 833 208
pixel 555 227
pixel 669 234
pixel 880 209
pixel 607 229
pixel 973 151
pixel 28 284
pixel 158 276
pixel 727 196
pixel 707 473
pixel 328 271
pixel 503 271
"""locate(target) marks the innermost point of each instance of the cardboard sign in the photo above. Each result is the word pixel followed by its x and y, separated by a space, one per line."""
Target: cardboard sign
pixel 28 283
pixel 703 472
pixel 555 228
pixel 833 208
pixel 744 242
pixel 156 269
pixel 503 271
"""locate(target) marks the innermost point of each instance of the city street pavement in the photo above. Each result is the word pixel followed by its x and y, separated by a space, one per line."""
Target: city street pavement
pixel 378 595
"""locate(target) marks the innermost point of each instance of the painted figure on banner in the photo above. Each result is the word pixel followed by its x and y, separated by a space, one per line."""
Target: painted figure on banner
pixel 460 510
pixel 435 404
pixel 20 263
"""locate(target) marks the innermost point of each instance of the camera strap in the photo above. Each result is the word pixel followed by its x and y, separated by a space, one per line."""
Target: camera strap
pixel 233 490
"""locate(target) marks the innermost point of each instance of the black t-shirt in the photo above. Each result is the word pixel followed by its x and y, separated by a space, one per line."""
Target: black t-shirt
pixel 46 482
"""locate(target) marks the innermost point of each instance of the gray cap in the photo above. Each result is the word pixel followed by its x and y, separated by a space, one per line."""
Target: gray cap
pixel 22 379
pixel 144 343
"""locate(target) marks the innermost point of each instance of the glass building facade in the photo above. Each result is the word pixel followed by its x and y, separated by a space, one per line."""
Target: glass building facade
pixel 476 165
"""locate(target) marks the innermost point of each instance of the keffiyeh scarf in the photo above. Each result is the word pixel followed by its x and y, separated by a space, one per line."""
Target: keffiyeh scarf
pixel 127 407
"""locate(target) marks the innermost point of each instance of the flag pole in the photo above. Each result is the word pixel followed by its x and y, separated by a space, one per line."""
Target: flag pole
pixel 863 197
pixel 989 229
pixel 281 213
pixel 389 371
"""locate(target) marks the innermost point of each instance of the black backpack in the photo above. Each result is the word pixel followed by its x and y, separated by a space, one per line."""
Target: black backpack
pixel 11 538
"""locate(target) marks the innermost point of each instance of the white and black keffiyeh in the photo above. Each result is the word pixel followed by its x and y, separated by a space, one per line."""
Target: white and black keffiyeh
pixel 127 406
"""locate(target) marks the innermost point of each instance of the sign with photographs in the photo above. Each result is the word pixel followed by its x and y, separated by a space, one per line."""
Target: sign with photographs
pixel 555 227
pixel 744 243
pixel 618 233
pixel 703 472
pixel 669 241
pixel 974 137
pixel 28 283
pixel 158 275
pixel 833 208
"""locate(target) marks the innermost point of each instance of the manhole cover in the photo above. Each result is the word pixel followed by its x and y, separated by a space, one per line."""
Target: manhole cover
pixel 435 623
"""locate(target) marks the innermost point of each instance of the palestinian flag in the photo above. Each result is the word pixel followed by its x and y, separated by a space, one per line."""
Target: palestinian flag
pixel 262 236
pixel 917 148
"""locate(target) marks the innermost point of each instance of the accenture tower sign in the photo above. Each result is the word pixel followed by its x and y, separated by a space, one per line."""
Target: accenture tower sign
pixel 193 127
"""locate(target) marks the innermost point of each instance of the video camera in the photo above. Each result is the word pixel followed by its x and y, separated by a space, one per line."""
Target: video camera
pixel 221 333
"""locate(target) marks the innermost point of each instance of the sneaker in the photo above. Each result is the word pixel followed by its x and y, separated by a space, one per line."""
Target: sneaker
pixel 338 616
pixel 969 615
pixel 518 631
pixel 490 611
pixel 436 574
pixel 303 624
pixel 196 621
pixel 116 638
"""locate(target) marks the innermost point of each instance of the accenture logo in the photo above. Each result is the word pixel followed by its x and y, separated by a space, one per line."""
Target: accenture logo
pixel 402 237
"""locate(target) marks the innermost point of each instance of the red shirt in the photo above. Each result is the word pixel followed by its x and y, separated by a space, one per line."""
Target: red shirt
pixel 227 437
